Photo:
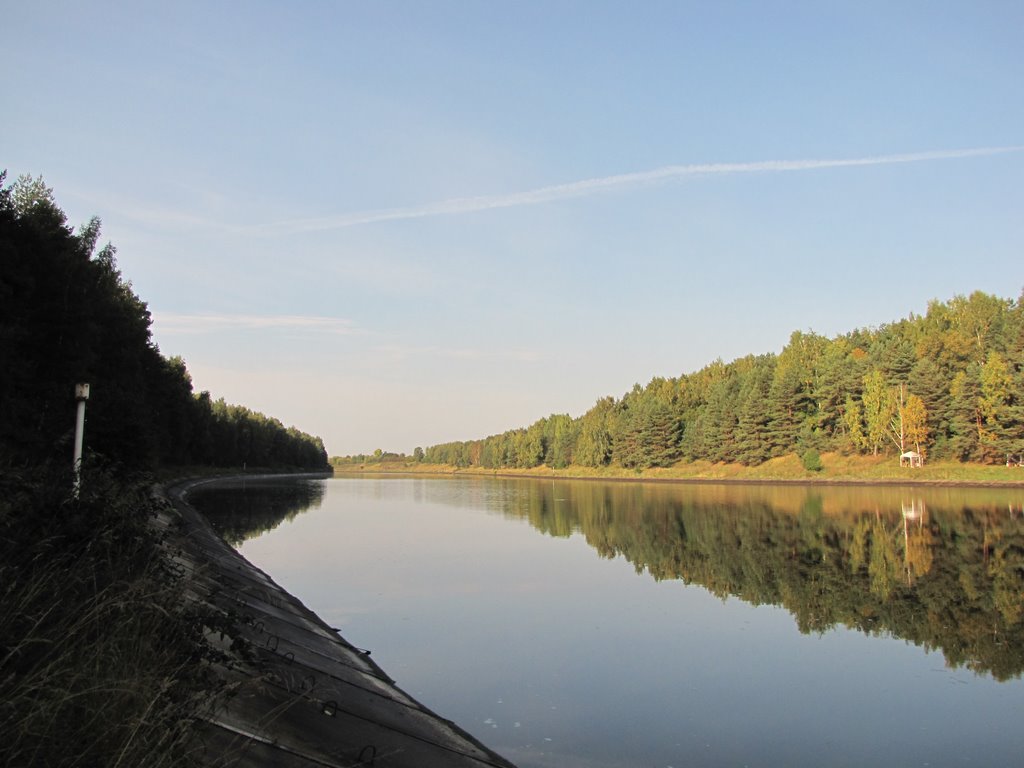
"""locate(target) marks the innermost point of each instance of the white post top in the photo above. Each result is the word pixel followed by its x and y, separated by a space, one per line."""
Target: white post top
pixel 81 391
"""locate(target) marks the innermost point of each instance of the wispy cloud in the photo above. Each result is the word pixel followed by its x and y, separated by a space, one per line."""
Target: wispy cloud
pixel 587 187
pixel 180 324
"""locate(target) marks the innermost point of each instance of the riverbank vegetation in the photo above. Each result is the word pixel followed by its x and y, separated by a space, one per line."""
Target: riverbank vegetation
pixel 834 468
pixel 946 386
pixel 101 657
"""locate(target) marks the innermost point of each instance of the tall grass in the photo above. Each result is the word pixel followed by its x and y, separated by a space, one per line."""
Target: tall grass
pixel 101 659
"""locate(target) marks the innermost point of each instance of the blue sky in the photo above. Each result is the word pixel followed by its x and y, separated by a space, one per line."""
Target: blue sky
pixel 398 224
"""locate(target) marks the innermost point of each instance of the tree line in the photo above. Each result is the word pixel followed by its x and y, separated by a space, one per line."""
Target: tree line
pixel 68 315
pixel 948 384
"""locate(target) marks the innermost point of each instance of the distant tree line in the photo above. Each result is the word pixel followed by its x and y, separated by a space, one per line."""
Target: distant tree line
pixel 67 315
pixel 379 456
pixel 948 385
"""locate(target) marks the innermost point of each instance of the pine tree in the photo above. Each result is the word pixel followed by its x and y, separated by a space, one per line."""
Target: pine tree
pixel 965 417
pixel 927 381
pixel 753 444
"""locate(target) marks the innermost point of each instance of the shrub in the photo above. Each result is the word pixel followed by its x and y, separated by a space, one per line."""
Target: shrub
pixel 811 460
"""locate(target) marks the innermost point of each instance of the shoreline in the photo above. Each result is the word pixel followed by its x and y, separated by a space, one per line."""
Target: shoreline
pixel 440 471
pixel 300 694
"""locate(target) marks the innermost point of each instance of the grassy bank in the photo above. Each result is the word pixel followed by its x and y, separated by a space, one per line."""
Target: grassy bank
pixel 101 657
pixel 834 468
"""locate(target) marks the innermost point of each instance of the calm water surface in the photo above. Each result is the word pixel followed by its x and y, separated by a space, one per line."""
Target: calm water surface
pixel 624 624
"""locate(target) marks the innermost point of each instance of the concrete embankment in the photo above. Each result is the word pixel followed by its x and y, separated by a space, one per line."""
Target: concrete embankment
pixel 299 694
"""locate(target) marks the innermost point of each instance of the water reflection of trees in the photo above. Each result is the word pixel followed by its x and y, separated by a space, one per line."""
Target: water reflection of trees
pixel 942 569
pixel 243 509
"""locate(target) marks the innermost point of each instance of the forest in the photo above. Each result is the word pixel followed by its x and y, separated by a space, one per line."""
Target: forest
pixel 948 384
pixel 67 315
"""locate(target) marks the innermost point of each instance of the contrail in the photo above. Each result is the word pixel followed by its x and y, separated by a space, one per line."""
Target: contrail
pixel 592 186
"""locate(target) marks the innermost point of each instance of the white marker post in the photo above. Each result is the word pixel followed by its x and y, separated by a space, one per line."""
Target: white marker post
pixel 81 395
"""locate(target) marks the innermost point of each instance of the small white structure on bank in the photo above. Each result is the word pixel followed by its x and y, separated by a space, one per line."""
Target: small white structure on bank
pixel 911 459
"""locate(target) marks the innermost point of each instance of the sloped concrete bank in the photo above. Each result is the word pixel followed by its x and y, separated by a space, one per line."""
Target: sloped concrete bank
pixel 299 695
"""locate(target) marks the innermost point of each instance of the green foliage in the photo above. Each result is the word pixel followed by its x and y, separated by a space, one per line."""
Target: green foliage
pixel 560 441
pixel 594 444
pixel 879 407
pixel 965 415
pixel 961 365
pixel 927 382
pixel 854 422
pixel 379 456
pixel 753 428
pixel 647 434
pixel 67 315
pixel 996 403
pixel 716 423
pixel 811 460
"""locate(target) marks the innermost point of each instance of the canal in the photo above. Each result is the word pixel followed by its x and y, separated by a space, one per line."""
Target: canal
pixel 607 624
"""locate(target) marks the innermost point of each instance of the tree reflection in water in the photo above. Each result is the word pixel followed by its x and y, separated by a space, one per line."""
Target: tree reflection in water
pixel 241 509
pixel 943 569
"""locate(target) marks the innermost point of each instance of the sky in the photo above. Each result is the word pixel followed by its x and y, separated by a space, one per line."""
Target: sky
pixel 397 224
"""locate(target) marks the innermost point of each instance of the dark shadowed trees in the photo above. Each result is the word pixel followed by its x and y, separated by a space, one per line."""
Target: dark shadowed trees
pixel 68 315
